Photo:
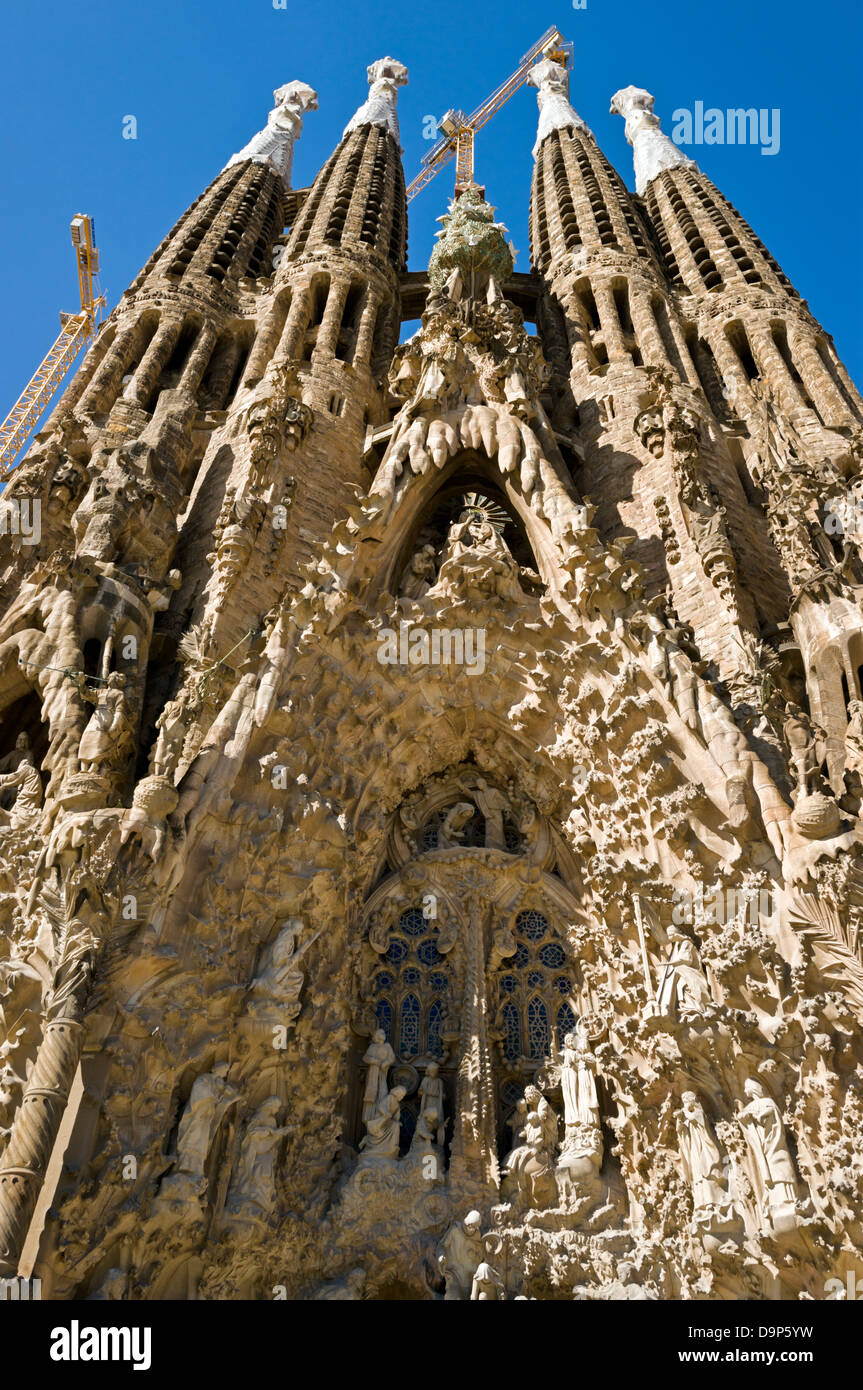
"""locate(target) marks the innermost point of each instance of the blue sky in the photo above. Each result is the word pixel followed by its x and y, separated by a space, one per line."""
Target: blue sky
pixel 198 77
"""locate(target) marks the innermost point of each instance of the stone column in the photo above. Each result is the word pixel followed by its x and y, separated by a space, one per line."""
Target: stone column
pixel 267 339
pixel 365 332
pixel 297 321
pixel 610 323
pixel 198 361
pixel 140 389
pixel 103 390
pixel 328 332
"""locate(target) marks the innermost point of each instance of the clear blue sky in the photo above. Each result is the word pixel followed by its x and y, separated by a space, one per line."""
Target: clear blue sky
pixel 199 76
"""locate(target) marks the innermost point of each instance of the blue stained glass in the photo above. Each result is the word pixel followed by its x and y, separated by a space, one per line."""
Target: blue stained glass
pixel 412 922
pixel 435 1042
pixel 430 834
pixel 508 984
pixel 537 1028
pixel 428 952
pixel 512 1031
pixel 512 839
pixel 411 976
pixel 521 956
pixel 534 978
pixel 409 1031
pixel 384 1016
pixel 532 925
pixel 383 981
pixel 439 983
pixel 565 1021
pixel 511 1093
pixel 397 951
pixel 552 955
pixel 562 985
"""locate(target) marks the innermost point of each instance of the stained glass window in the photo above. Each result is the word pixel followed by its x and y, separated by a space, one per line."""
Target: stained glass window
pixel 512 1032
pixel 434 1042
pixel 412 922
pixel 409 1032
pixel 410 997
pixel 532 991
pixel 537 1028
pixel 531 925
pixel 565 1021
pixel 384 1016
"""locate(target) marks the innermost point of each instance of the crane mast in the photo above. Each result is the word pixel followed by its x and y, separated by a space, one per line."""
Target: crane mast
pixel 459 130
pixel 75 331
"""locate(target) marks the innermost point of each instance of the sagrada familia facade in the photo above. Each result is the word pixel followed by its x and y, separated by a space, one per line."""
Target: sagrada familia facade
pixel 431 772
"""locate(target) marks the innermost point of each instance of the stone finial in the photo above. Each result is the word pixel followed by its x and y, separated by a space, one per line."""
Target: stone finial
pixel 555 112
pixel 385 78
pixel 274 145
pixel 652 149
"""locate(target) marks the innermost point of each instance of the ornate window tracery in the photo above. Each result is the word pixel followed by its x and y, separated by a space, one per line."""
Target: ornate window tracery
pixel 535 991
pixel 411 989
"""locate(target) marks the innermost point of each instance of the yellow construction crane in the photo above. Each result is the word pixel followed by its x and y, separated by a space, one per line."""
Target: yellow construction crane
pixel 459 129
pixel 75 331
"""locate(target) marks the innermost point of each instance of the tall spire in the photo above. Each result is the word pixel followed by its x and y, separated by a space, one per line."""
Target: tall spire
pixel 652 149
pixel 274 145
pixel 555 112
pixel 385 78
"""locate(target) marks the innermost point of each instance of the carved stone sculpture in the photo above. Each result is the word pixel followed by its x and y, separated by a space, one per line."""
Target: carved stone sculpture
pixel 702 1162
pixel 253 1186
pixel 683 989
pixel 773 1168
pixel 379 1057
pixel 461 1254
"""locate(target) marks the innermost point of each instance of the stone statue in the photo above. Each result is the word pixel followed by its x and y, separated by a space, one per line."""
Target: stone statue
pixel 254 1182
pixel 806 746
pixel 460 1256
pixel 420 573
pixel 274 145
pixel 428 1127
pixel 492 803
pixel 379 1057
pixel 477 563
pixel 683 988
pixel 10 761
pixel 528 1167
pixel 172 726
pixel 431 1090
pixel 581 1153
pixel 775 1179
pixel 453 824
pixel 211 1098
pixel 487 1285
pixel 25 780
pixel 274 994
pixel 380 1143
pixel 108 735
pixel 854 738
pixel 701 1161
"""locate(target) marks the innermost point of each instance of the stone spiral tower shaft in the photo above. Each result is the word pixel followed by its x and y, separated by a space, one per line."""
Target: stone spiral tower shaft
pixel 431 771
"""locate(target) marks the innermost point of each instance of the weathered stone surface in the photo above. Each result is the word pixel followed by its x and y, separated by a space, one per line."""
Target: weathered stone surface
pixel 430 775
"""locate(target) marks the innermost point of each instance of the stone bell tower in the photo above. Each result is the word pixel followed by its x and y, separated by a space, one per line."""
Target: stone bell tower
pixel 431 771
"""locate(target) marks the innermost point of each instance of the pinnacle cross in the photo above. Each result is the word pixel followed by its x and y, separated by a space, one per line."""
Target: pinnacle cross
pixel 274 145
pixel 385 77
pixel 652 149
pixel 555 112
